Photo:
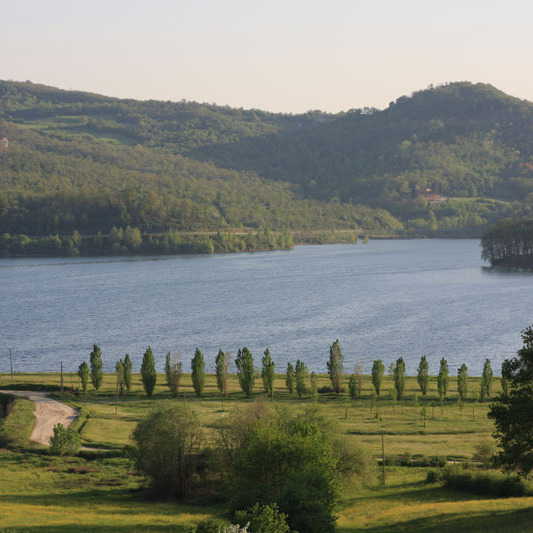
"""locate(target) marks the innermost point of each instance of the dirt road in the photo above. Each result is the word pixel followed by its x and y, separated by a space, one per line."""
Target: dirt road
pixel 48 413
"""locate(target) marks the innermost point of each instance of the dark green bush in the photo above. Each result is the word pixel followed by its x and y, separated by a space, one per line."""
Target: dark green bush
pixel 490 484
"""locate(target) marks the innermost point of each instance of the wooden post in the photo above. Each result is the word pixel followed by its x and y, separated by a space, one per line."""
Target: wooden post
pixel 11 363
pixel 382 459
pixel 61 378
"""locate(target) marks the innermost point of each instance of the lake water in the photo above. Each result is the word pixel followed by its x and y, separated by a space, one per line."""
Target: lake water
pixel 382 300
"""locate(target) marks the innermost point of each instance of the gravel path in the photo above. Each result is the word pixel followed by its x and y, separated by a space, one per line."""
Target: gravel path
pixel 48 413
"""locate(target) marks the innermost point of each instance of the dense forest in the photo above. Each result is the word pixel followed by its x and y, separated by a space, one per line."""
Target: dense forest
pixel 444 160
pixel 509 243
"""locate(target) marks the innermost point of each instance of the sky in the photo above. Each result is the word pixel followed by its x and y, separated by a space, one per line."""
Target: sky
pixel 286 56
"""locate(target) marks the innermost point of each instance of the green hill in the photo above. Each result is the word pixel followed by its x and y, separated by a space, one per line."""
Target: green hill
pixel 87 162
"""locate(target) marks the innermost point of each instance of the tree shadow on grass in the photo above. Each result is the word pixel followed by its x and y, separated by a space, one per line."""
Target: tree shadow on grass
pixel 519 521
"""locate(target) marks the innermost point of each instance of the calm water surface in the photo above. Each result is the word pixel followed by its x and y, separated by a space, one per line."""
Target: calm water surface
pixel 381 300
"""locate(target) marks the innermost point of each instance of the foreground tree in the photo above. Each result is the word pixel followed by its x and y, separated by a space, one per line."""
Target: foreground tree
pixel 128 368
pixel 166 448
pixel 512 413
pixel 148 373
pixel 486 380
pixel 268 373
pixel 97 371
pixel 399 377
pixel 423 375
pixel 222 363
pixel 173 371
pixel 198 372
pixel 83 373
pixel 245 371
pixel 462 382
pixel 442 380
pixel 335 366
pixel 378 371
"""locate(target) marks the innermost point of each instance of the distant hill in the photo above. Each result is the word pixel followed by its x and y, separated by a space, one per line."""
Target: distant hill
pixel 450 157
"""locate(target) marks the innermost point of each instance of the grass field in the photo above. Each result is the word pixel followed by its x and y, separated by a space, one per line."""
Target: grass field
pixel 48 494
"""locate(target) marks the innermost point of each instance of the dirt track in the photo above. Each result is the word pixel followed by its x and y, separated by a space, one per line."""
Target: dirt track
pixel 48 413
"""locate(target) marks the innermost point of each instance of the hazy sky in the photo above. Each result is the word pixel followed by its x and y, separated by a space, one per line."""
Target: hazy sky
pixel 289 55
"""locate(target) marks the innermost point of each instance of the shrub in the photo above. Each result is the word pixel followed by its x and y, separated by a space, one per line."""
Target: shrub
pixel 64 441
pixel 497 485
pixel 263 519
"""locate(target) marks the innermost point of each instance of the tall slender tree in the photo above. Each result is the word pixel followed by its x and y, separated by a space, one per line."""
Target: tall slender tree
pixel 97 372
pixel 300 373
pixel 335 366
pixel 222 363
pixel 245 370
pixel 119 370
pixel 399 377
pixel 423 375
pixel 378 371
pixel 486 380
pixel 442 380
pixel 128 367
pixel 289 378
pixel 173 371
pixel 462 382
pixel 507 375
pixel 198 372
pixel 148 373
pixel 83 373
pixel 268 373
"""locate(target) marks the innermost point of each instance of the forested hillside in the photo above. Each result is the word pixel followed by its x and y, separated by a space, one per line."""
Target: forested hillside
pixel 451 157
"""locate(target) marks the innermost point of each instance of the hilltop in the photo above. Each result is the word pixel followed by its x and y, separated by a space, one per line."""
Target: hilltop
pixel 455 156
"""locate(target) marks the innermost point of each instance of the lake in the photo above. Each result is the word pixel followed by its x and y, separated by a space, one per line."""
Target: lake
pixel 383 300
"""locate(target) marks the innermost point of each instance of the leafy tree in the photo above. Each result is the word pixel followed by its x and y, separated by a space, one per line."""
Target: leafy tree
pixel 352 387
pixel 128 367
pixel 507 375
pixel 314 385
pixel 423 375
pixel 64 441
pixel 119 370
pixel 289 378
pixel 198 372
pixel 335 366
pixel 442 380
pixel 173 370
pixel 83 373
pixel 486 380
pixel 399 377
pixel 462 382
pixel 222 364
pixel 263 519
pixel 512 412
pixel 299 375
pixel 166 448
pixel 148 373
pixel 358 373
pixel 245 370
pixel 97 372
pixel 268 373
pixel 378 371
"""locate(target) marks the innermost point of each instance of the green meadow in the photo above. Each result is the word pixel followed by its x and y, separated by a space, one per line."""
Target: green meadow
pixel 102 492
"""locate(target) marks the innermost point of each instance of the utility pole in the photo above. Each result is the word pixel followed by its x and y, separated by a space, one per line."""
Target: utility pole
pixel 61 378
pixel 11 363
pixel 382 459
pixel 116 398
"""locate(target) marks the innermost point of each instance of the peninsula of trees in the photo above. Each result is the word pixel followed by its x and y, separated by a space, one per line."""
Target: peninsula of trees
pixel 509 244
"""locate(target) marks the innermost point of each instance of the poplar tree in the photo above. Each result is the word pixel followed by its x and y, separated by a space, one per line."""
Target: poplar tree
pixel 128 367
pixel 352 387
pixel 299 375
pixel 289 379
pixel 119 370
pixel 267 373
pixel 173 369
pixel 148 373
pixel 423 375
pixel 222 363
pixel 97 372
pixel 198 372
pixel 83 373
pixel 378 371
pixel 507 375
pixel 462 382
pixel 442 380
pixel 335 367
pixel 486 380
pixel 245 371
pixel 399 377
